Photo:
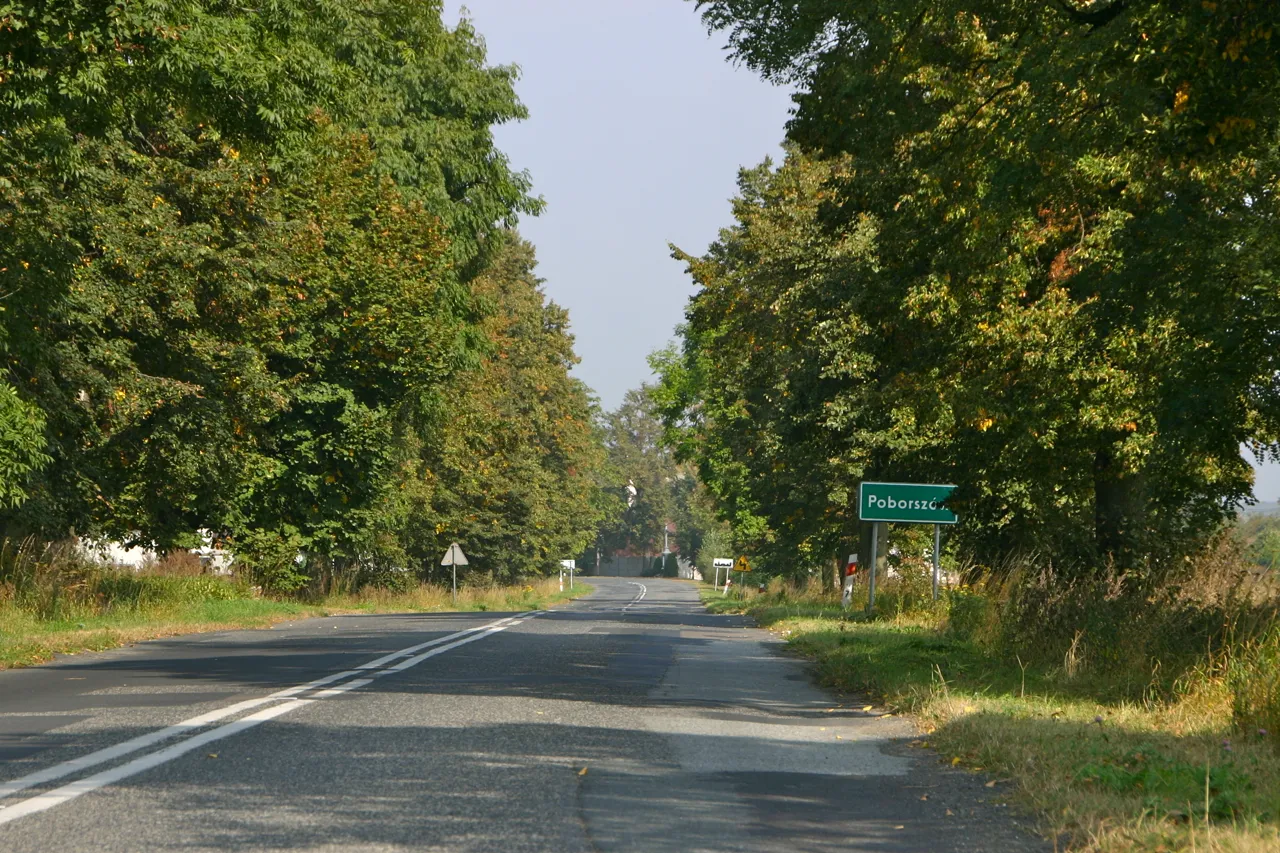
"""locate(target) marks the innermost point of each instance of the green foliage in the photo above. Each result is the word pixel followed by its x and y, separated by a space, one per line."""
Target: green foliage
pixel 666 493
pixel 1259 535
pixel 1027 249
pixel 1255 688
pixel 512 472
pixel 250 259
pixel 21 445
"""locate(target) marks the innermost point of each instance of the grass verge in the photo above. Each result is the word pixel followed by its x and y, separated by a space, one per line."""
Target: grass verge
pixel 1105 772
pixel 28 638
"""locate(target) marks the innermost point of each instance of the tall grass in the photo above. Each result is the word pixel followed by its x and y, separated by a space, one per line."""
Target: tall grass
pixel 54 599
pixel 55 582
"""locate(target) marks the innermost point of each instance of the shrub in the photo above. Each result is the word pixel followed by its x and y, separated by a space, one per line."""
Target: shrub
pixel 1255 687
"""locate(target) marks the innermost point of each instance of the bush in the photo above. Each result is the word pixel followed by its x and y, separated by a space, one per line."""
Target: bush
pixel 1255 688
pixel 57 582
pixel 970 615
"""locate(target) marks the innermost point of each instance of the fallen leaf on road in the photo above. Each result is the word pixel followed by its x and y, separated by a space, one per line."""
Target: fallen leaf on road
pixel 213 755
pixel 866 707
pixel 950 813
pixel 955 761
pixel 925 797
pixel 582 772
pixel 839 738
pixel 993 783
pixel 899 827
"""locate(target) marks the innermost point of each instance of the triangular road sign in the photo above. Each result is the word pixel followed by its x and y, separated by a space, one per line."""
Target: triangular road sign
pixel 454 556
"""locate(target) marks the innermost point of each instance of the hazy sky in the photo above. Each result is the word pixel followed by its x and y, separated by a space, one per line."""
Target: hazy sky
pixel 638 126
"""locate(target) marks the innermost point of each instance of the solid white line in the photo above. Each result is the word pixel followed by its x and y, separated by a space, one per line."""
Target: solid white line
pixel 414 661
pixel 141 742
pixel 146 762
pixel 143 763
pixel 386 659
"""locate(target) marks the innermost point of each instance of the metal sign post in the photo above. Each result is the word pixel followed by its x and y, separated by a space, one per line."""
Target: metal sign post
pixel 875 555
pixel 454 557
pixel 937 558
pixel 570 565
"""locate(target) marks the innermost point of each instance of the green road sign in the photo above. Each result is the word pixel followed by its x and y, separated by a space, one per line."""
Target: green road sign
pixel 910 502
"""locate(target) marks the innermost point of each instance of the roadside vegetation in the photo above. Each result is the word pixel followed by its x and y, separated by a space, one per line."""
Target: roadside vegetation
pixel 1128 721
pixel 54 601
pixel 260 288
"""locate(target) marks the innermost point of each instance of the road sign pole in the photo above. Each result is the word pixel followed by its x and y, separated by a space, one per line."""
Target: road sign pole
pixel 937 558
pixel 571 567
pixel 875 558
pixel 454 558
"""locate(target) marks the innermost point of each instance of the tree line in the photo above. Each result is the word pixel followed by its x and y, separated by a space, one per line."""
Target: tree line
pixel 1028 248
pixel 258 276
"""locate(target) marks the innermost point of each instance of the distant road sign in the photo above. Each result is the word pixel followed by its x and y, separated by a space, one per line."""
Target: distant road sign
pixel 454 556
pixel 722 563
pixel 905 502
pixel 742 565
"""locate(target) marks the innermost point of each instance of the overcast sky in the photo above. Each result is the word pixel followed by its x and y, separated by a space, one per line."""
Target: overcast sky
pixel 638 126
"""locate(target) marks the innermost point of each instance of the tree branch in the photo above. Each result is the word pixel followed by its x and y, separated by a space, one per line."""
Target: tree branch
pixel 1095 14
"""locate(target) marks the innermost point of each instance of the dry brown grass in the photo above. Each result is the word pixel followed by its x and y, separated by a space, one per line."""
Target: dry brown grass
pixel 1104 711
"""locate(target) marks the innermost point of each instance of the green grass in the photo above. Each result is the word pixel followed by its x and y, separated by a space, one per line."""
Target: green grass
pixel 180 605
pixel 1105 770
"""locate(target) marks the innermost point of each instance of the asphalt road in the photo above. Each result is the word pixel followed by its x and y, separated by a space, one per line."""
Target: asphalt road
pixel 630 720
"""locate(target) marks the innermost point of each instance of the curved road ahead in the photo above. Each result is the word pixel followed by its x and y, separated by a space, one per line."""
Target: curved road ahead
pixel 630 720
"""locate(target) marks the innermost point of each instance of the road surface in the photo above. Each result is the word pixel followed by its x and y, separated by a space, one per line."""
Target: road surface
pixel 630 720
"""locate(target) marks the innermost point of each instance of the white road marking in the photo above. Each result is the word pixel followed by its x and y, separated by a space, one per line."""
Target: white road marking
pixel 83 786
pixel 643 589
pixel 101 756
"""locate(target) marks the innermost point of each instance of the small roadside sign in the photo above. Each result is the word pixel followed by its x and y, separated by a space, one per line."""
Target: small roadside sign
pixel 850 574
pixel 919 503
pixel 909 503
pixel 454 558
pixel 721 563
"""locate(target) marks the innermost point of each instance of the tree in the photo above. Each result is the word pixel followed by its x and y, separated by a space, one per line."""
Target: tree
pixel 1068 304
pixel 512 460
pixel 638 459
pixel 241 251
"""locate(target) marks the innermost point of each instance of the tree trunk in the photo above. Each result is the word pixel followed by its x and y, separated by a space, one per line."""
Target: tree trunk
pixel 1119 508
